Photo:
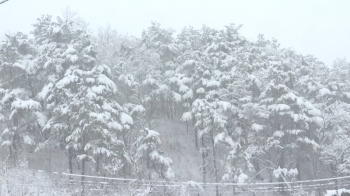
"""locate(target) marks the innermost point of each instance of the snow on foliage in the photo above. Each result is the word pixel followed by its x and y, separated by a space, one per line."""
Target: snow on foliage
pixel 69 78
pixel 45 91
pixel 27 64
pixel 137 109
pixel 242 178
pixel 18 92
pixel 278 134
pixel 324 91
pixel 41 118
pixel 279 107
pixel 257 127
pixel 115 125
pixel 186 116
pixel 183 89
pixel 285 172
pixel 126 119
pixel 25 104
pixel 6 143
pixel 28 140
pixel 211 83
pixel 103 79
pixel 200 90
pixel 148 145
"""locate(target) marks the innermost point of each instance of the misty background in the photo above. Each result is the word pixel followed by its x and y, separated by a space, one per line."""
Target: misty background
pixel 312 27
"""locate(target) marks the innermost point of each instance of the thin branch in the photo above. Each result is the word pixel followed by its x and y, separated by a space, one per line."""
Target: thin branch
pixel 3 1
pixel 259 172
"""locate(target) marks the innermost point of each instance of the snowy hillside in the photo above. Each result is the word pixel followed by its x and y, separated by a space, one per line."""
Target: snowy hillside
pixel 201 112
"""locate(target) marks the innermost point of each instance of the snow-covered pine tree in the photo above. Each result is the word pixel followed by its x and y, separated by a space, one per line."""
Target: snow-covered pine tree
pixel 293 120
pixel 189 86
pixel 153 164
pixel 55 56
pixel 129 88
pixel 333 100
pixel 84 114
pixel 335 139
pixel 18 88
pixel 161 42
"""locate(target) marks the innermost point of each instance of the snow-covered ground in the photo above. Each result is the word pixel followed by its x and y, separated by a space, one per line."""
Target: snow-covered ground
pixel 26 182
pixel 340 192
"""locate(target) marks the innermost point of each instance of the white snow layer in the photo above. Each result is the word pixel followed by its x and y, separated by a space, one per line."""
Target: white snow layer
pixel 186 116
pixel 334 192
pixel 126 119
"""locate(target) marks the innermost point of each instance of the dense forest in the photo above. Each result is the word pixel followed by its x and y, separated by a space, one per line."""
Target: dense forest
pixel 257 112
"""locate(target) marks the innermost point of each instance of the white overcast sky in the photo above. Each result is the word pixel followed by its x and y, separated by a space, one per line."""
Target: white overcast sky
pixel 317 27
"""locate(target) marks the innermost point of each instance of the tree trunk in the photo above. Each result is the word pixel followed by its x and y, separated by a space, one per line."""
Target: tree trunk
pixel 97 163
pixel 214 161
pixel 82 177
pixel 83 165
pixel 204 162
pixel 174 111
pixel 187 126
pixel 215 173
pixel 15 140
pixel 10 150
pixel 70 162
pixel 195 133
pixel 335 174
pixel 281 165
pixel 204 168
pixel 298 168
pixel 14 147
pixel 50 158
pixel 148 165
pixel 196 137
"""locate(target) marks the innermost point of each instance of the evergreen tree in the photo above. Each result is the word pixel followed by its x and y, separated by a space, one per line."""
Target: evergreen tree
pixel 18 88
